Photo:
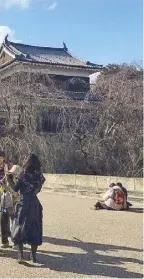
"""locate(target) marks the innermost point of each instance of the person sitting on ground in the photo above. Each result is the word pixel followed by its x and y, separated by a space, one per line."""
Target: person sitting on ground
pixel 128 204
pixel 101 203
pixel 113 199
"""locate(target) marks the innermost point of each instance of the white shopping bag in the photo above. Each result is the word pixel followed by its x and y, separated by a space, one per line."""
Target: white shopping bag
pixel 15 170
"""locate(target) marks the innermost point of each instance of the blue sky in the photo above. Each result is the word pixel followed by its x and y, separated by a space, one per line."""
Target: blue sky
pixel 101 31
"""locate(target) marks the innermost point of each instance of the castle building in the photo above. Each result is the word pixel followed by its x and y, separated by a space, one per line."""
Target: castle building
pixel 56 62
pixel 69 74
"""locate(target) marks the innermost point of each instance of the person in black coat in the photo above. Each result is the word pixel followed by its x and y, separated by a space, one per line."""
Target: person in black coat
pixel 27 224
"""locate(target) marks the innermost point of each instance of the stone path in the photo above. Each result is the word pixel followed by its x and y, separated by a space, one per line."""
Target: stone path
pixel 80 242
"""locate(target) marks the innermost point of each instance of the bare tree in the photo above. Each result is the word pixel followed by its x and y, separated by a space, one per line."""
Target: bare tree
pixel 38 117
pixel 100 135
pixel 115 145
pixel 21 100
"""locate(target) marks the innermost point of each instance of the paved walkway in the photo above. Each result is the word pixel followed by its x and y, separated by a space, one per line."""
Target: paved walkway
pixel 80 242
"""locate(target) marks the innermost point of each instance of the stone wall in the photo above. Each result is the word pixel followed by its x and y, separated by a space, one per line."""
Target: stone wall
pixel 89 185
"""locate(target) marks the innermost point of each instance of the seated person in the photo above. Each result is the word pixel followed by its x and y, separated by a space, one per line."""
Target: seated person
pixel 113 199
pixel 128 204
pixel 101 203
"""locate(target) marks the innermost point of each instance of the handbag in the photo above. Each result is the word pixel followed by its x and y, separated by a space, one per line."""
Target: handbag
pixel 6 200
pixel 17 231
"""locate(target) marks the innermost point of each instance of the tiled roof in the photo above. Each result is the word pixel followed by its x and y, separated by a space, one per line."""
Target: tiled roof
pixel 59 56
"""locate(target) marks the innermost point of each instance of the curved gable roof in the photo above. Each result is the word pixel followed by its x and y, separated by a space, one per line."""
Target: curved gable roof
pixel 46 55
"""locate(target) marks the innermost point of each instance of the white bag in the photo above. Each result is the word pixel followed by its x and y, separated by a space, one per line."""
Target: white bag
pixel 6 200
pixel 15 170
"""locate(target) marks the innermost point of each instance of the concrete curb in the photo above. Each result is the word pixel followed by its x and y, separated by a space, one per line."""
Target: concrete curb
pixel 75 195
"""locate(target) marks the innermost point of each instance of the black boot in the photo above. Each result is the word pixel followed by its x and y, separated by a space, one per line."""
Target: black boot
pixel 98 206
pixel 33 253
pixel 20 254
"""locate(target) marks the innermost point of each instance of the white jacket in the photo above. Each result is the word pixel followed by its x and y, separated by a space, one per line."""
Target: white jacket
pixel 109 199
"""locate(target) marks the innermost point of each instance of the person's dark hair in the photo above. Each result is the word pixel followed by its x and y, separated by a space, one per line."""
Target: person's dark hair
pixel 33 163
pixel 119 184
pixel 2 154
pixel 112 185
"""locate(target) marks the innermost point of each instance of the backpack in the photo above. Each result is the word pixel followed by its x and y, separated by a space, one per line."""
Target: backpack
pixel 119 197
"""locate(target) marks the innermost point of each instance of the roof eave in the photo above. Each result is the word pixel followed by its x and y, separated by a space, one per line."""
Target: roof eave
pixel 12 52
pixel 76 67
pixel 5 65
pixel 90 68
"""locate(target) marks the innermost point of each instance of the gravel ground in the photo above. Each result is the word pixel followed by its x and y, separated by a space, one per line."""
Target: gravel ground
pixel 80 242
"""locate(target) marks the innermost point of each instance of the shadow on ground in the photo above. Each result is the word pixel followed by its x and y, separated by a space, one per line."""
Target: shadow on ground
pixel 136 210
pixel 131 209
pixel 91 262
